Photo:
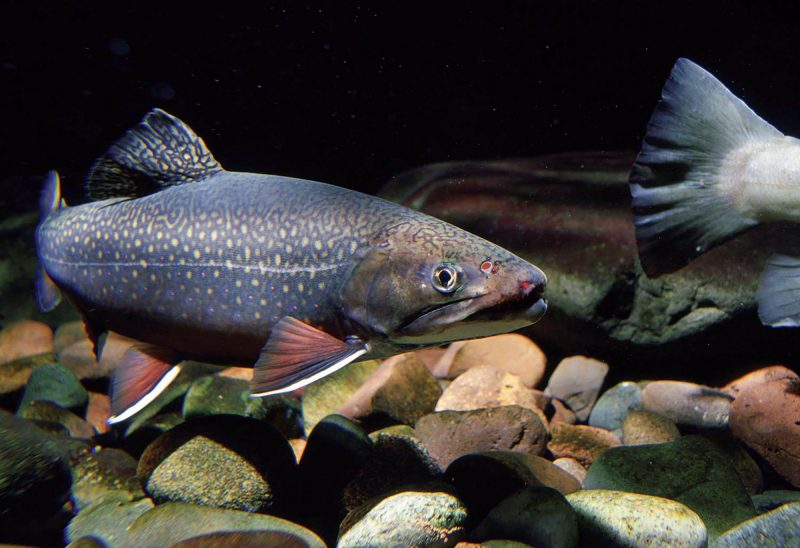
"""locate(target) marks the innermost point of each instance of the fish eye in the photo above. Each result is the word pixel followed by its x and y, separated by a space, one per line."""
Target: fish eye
pixel 445 278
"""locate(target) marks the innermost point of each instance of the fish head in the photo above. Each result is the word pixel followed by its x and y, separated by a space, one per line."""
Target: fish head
pixel 422 284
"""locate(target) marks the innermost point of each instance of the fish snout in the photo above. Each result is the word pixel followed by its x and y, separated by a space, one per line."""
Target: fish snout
pixel 532 286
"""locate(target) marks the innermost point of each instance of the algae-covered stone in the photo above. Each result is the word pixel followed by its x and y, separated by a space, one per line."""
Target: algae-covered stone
pixel 539 516
pixel 107 521
pixel 691 470
pixel 56 383
pixel 225 461
pixel 614 405
pixel 104 474
pixel 775 529
pixel 415 517
pixel 173 522
pixel 450 434
pixel 327 395
pixel 769 500
pixel 617 518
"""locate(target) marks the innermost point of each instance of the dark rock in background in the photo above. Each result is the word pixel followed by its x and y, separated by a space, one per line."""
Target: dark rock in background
pixel 569 214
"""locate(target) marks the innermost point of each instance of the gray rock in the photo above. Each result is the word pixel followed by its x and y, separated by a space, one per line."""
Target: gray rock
pixel 34 481
pixel 56 383
pixel 769 500
pixel 107 521
pixel 614 405
pixel 687 403
pixel 778 528
pixel 644 428
pixel 577 381
pixel 691 470
pixel 484 479
pixel 327 395
pixel 616 518
pixel 244 539
pixel 225 461
pixel 539 516
pixel 103 475
pixel 47 411
pixel 173 522
pixel 450 434
pixel 418 517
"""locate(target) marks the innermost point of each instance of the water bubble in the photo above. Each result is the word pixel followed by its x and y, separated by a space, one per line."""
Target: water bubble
pixel 119 46
pixel 162 91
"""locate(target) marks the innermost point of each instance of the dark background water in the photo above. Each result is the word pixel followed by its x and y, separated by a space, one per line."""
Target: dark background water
pixel 352 93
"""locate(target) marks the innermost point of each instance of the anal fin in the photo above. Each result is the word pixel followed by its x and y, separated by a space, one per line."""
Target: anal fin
pixel 298 354
pixel 143 373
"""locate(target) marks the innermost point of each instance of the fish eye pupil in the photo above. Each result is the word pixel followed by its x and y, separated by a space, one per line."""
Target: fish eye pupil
pixel 445 278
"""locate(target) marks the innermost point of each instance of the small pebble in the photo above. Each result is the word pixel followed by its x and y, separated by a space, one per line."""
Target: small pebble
pixel 577 381
pixel 583 443
pixel 614 405
pixel 687 403
pixel 573 467
pixel 644 428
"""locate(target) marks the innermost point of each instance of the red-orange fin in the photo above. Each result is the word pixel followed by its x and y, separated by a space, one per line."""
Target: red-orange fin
pixel 297 354
pixel 142 374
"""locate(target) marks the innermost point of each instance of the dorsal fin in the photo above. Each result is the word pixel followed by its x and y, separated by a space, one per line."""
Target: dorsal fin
pixel 160 151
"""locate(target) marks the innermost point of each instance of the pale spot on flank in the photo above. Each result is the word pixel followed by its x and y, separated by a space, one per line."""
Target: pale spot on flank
pixel 238 283
pixel 197 254
pixel 254 281
pixel 188 274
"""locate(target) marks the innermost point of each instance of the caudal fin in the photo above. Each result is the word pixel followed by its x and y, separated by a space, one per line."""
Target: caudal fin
pixel 47 294
pixel 679 208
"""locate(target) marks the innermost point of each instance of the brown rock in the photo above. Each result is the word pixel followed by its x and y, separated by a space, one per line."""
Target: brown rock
pixel 511 352
pixel 582 443
pixel 67 334
pixel 14 375
pixel 486 386
pixel 759 376
pixel 577 381
pixel 450 434
pixel 562 414
pixel 572 467
pixel 643 428
pixel 401 388
pixel 687 403
pixel 50 412
pixel 766 417
pixel 98 411
pixel 430 357
pixel 241 373
pixel 23 339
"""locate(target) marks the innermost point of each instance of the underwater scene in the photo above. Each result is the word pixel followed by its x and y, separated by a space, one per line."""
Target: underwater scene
pixel 307 274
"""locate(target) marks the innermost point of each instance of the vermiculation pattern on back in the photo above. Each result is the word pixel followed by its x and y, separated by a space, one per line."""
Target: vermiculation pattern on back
pixel 236 251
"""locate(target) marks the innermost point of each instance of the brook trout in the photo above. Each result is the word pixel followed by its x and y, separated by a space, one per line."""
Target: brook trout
pixel 297 278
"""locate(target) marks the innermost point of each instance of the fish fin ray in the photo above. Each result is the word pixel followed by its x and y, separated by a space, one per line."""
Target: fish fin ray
pixel 679 211
pixel 48 295
pixel 141 375
pixel 297 354
pixel 159 152
pixel 778 293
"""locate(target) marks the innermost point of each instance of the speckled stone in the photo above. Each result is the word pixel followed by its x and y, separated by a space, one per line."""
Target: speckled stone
pixel 687 403
pixel 539 516
pixel 577 381
pixel 765 417
pixel 580 442
pixel 778 528
pixel 692 470
pixel 617 518
pixel 107 521
pixel 23 339
pixel 511 352
pixel 614 405
pixel 401 388
pixel 56 383
pixel 103 475
pixel 644 428
pixel 413 517
pixel 484 479
pixel 173 522
pixel 326 396
pixel 199 460
pixel 450 434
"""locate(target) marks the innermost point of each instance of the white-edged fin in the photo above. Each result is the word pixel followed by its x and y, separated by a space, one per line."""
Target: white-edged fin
pixel 160 151
pixel 680 211
pixel 141 375
pixel 297 354
pixel 778 293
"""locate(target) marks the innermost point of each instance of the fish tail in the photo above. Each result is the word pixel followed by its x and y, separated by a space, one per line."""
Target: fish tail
pixel 680 207
pixel 47 293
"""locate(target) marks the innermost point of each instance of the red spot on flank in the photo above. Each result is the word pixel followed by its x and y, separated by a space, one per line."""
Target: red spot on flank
pixel 525 285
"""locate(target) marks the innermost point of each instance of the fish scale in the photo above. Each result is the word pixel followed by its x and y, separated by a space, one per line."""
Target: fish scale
pixel 295 277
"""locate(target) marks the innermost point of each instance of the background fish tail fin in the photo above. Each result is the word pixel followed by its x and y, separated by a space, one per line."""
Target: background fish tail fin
pixel 50 199
pixel 160 151
pixel 47 293
pixel 779 292
pixel 679 209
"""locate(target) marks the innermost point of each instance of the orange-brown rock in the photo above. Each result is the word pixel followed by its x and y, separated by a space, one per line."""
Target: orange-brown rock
pixel 582 443
pixel 98 411
pixel 23 339
pixel 759 376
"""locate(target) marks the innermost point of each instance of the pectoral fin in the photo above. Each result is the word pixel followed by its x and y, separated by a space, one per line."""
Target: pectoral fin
pixel 143 373
pixel 297 354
